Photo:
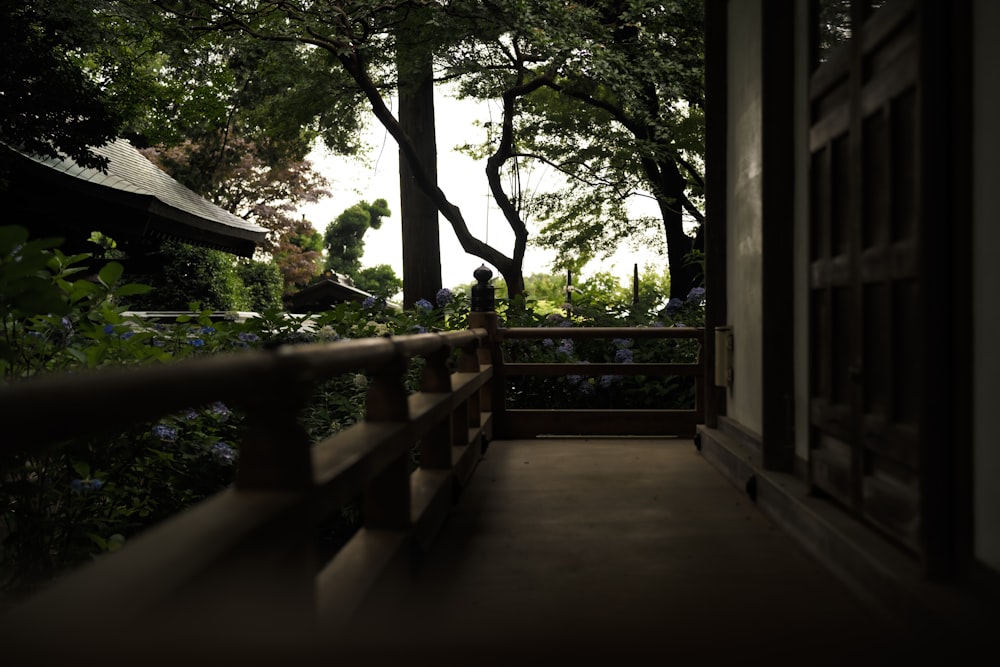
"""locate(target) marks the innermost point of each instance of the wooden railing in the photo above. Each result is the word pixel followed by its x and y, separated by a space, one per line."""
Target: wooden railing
pixel 532 422
pixel 240 569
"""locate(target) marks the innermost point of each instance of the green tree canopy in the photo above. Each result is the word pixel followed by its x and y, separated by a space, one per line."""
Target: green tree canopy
pixel 611 96
pixel 344 238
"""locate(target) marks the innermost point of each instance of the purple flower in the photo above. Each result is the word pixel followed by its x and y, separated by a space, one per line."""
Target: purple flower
pixel 696 296
pixel 607 380
pixel 164 433
pixel 548 342
pixel 81 485
pixel 443 297
pixel 247 337
pixel 223 453
pixel 566 347
pixel 585 388
pixel 424 305
pixel 372 302
pixel 623 356
pixel 187 414
pixel 220 410
pixel 673 306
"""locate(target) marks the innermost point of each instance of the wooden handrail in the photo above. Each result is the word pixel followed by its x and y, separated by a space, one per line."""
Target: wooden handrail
pixel 239 571
pixel 526 423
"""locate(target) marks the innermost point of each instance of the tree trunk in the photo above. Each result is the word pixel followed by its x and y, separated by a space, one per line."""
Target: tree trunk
pixel 684 274
pixel 418 212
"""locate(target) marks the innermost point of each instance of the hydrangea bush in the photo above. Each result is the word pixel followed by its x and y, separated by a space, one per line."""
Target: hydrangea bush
pixel 60 510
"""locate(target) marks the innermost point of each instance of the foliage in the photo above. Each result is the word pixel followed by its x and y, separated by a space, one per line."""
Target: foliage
pixel 609 94
pixel 262 284
pixel 50 106
pixel 380 280
pixel 298 255
pixel 61 509
pixel 189 273
pixel 605 391
pixel 344 238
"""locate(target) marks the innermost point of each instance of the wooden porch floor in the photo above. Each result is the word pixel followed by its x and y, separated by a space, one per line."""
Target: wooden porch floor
pixel 595 551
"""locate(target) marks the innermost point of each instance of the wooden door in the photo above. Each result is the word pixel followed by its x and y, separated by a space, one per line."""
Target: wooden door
pixel 865 272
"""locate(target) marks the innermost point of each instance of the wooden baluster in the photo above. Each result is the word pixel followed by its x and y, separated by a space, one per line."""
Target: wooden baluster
pixel 386 503
pixel 435 447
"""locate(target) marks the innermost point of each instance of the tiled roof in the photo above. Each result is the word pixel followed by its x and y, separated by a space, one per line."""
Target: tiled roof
pixel 130 172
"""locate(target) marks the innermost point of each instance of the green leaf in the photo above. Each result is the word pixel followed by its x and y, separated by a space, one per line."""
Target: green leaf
pixel 82 469
pixel 132 289
pixel 110 273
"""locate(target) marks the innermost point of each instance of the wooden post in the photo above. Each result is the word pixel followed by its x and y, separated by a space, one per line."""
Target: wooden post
pixel 435 447
pixel 635 285
pixel 386 501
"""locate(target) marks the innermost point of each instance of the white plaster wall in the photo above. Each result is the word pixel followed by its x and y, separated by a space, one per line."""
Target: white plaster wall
pixel 801 240
pixel 986 281
pixel 743 212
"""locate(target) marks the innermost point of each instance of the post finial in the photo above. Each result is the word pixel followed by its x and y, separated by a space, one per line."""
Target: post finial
pixel 482 291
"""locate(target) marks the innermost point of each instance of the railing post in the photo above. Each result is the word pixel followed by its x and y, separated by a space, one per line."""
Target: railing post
pixel 386 503
pixel 483 316
pixel 435 447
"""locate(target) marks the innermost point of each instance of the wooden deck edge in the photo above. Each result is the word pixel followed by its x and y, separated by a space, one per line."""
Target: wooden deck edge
pixel 877 572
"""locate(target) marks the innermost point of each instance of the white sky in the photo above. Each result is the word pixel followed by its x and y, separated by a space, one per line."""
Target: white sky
pixel 463 181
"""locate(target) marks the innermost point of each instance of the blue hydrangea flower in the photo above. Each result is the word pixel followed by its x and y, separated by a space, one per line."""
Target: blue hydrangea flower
pixel 585 388
pixel 623 356
pixel 565 347
pixel 82 485
pixel 673 306
pixel 696 296
pixel 425 305
pixel 574 379
pixel 622 342
pixel 417 328
pixel 223 453
pixel 565 323
pixel 443 297
pixel 109 328
pixel 247 337
pixel 548 342
pixel 208 330
pixel 607 380
pixel 220 410
pixel 197 342
pixel 127 334
pixel 370 302
pixel 188 414
pixel 164 433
